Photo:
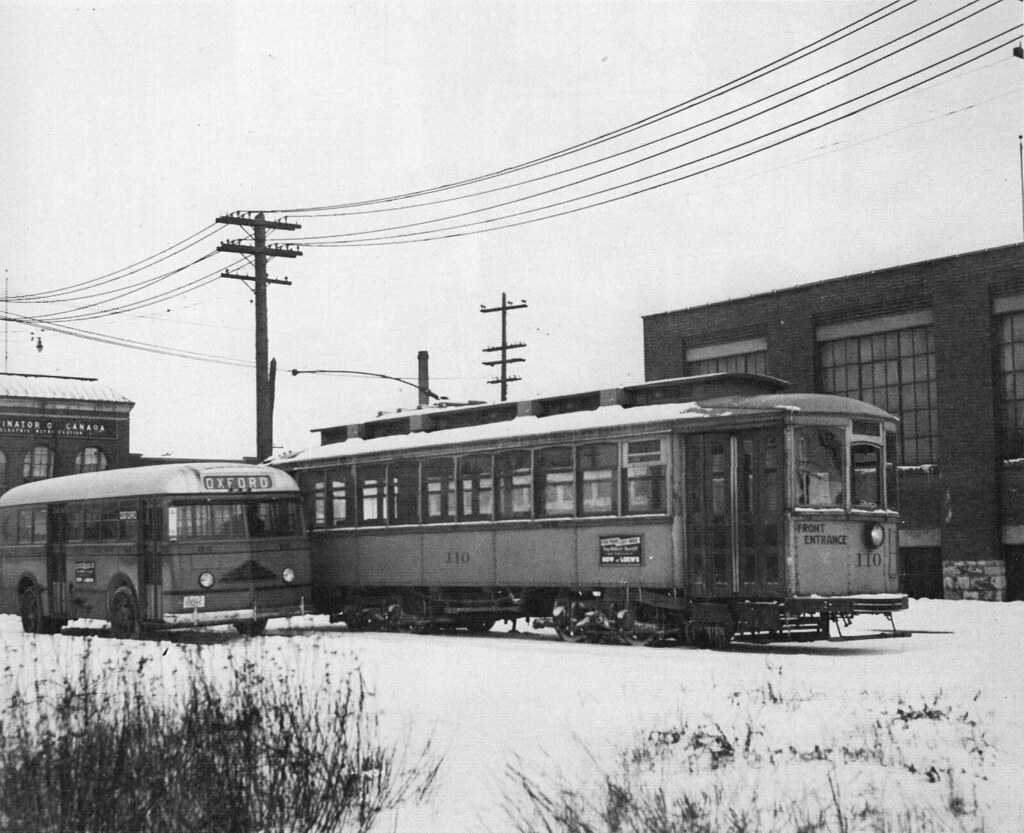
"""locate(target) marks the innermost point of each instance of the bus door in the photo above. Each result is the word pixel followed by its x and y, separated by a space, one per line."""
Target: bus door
pixel 56 565
pixel 710 522
pixel 759 500
pixel 150 562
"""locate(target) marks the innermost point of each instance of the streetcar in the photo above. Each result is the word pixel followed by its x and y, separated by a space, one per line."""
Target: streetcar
pixel 155 547
pixel 700 509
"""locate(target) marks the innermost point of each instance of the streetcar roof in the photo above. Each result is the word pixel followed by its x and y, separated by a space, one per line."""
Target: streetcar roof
pixel 662 416
pixel 208 479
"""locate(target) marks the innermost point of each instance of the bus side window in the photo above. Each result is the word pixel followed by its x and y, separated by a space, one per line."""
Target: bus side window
pixel 74 530
pixel 92 522
pixel 24 526
pixel 9 526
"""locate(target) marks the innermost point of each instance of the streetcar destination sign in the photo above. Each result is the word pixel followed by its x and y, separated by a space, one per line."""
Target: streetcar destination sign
pixel 237 482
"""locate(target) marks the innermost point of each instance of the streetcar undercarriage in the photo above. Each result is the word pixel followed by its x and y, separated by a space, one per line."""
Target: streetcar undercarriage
pixel 628 616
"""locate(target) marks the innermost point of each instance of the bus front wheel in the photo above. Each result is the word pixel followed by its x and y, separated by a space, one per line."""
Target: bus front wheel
pixel 30 608
pixel 124 614
pixel 254 628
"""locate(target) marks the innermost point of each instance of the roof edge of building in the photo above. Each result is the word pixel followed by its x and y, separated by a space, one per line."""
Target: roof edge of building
pixel 802 286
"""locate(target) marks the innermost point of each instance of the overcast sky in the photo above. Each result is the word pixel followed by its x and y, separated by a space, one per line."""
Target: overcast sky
pixel 128 127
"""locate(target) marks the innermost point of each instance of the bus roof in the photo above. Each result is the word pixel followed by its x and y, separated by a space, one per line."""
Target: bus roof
pixel 660 416
pixel 173 479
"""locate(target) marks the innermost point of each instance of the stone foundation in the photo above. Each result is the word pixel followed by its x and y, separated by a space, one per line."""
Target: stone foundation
pixel 984 580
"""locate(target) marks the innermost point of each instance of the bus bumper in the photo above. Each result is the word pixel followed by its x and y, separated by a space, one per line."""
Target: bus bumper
pixel 196 617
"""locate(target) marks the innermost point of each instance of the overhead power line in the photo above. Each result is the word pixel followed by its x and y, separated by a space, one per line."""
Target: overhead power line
pixel 403 206
pixel 435 234
pixel 742 80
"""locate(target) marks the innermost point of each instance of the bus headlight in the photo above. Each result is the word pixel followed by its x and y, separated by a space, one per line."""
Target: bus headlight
pixel 874 535
pixel 288 575
pixel 206 580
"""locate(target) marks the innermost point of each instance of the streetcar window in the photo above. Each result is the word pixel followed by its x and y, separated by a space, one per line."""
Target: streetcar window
pixel 439 490
pixel 556 489
pixel 476 487
pixel 892 494
pixel 644 478
pixel 341 498
pixel 273 518
pixel 372 505
pixel 820 466
pixel 866 486
pixel 109 523
pixel 319 487
pixel 512 470
pixel 597 469
pixel 404 479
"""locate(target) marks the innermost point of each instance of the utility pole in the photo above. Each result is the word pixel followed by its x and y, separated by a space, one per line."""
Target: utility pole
pixel 504 347
pixel 260 251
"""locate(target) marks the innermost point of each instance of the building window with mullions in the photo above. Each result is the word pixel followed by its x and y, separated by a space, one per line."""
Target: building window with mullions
pixel 90 459
pixel 38 463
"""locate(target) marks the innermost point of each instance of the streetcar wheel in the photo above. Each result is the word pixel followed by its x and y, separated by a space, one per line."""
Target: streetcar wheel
pixel 481 626
pixel 632 632
pixel 255 628
pixel 568 616
pixel 30 608
pixel 125 621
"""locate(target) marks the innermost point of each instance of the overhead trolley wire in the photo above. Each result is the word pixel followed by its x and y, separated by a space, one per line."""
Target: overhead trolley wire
pixel 128 343
pixel 426 236
pixel 80 313
pixel 736 83
pixel 125 271
pixel 582 165
pixel 664 151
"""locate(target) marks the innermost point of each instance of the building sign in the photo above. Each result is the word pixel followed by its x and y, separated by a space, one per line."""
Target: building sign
pixel 237 482
pixel 92 429
pixel 621 549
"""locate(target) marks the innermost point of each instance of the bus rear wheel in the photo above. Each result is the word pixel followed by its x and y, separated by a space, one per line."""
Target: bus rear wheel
pixel 254 628
pixel 125 622
pixel 30 608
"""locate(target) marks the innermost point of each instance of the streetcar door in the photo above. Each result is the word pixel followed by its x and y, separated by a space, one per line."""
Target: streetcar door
pixel 759 488
pixel 709 514
pixel 56 566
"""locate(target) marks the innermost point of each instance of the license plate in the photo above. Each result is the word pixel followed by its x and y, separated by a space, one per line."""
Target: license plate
pixel 192 602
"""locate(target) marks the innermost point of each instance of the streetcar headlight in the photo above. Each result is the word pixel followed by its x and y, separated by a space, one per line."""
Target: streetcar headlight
pixel 874 535
pixel 288 574
pixel 206 580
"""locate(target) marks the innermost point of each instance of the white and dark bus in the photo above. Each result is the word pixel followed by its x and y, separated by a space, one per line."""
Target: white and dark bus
pixel 166 546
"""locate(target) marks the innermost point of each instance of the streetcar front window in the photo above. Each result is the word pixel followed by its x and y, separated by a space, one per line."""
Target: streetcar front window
pixel 866 486
pixel 820 466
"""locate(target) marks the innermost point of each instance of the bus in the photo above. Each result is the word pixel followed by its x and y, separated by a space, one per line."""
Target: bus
pixel 155 547
pixel 700 509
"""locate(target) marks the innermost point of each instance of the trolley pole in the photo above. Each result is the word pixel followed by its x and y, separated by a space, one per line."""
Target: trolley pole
pixel 504 347
pixel 259 251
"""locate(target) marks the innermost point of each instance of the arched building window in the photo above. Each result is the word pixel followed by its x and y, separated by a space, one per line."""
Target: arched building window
pixel 3 472
pixel 38 463
pixel 90 459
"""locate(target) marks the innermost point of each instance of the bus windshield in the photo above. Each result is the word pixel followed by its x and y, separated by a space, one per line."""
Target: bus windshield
pixel 253 519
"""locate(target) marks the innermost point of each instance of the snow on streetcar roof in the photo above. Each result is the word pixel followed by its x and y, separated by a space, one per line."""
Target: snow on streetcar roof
pixel 606 417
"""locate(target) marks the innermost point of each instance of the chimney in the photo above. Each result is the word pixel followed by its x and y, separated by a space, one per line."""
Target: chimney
pixel 424 383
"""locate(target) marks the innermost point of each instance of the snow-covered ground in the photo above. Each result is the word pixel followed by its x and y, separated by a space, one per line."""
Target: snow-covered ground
pixel 939 716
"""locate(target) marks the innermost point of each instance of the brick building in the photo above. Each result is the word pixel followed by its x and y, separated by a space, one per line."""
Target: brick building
pixel 56 425
pixel 939 344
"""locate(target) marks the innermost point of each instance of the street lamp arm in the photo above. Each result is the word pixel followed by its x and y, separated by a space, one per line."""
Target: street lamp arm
pixel 427 391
